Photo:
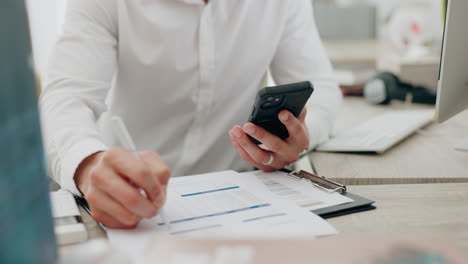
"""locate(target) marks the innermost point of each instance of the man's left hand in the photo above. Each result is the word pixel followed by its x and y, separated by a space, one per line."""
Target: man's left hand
pixel 274 153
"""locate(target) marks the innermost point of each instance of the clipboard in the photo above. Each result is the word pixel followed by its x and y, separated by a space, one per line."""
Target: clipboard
pixel 360 203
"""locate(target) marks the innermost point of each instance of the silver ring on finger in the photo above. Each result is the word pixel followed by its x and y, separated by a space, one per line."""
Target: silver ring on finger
pixel 270 161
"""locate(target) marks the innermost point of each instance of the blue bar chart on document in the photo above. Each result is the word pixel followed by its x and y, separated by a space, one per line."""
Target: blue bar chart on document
pixel 224 204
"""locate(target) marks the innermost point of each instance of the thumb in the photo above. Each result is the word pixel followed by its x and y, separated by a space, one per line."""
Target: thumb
pixel 303 115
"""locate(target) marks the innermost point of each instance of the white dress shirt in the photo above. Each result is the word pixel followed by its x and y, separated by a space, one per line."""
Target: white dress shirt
pixel 180 73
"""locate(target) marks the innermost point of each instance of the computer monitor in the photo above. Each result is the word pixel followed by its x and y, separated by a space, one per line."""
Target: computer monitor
pixel 26 224
pixel 452 95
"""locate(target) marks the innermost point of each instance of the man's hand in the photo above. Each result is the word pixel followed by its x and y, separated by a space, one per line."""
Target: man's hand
pixel 111 182
pixel 276 153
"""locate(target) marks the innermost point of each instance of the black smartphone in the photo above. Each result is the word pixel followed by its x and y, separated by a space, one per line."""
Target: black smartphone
pixel 272 100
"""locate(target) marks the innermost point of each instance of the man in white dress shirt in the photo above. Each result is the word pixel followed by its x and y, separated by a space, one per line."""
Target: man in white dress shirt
pixel 183 75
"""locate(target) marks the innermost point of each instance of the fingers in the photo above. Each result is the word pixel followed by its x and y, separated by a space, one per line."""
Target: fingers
pixel 245 156
pixel 108 220
pixel 121 189
pixel 283 151
pixel 298 136
pixel 258 155
pixel 137 171
pixel 252 153
pixel 303 115
pixel 160 170
pixel 275 144
pixel 110 182
pixel 101 202
pixel 271 142
pixel 160 173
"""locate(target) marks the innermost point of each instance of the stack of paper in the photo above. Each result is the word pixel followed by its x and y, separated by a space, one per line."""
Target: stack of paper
pixel 223 205
pixel 302 192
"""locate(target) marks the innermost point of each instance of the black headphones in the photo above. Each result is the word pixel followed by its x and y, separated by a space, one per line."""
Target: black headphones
pixel 384 87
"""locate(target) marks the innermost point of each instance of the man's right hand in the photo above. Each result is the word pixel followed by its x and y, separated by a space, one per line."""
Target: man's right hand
pixel 111 182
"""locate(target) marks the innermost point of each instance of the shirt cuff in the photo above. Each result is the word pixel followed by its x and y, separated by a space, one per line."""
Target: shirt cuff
pixel 73 158
pixel 320 128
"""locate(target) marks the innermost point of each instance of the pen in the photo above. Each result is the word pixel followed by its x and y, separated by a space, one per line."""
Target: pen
pixel 83 203
pixel 126 140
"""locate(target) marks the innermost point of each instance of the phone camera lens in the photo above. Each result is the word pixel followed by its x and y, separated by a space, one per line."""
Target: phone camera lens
pixel 267 105
pixel 272 101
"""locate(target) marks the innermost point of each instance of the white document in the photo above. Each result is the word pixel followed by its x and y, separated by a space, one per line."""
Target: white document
pixel 63 204
pixel 302 192
pixel 224 204
pixel 68 229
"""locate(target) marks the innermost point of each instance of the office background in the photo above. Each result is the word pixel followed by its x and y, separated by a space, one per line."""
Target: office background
pixel 401 36
pixel 372 19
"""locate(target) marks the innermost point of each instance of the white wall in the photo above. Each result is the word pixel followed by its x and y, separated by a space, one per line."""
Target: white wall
pixel 45 18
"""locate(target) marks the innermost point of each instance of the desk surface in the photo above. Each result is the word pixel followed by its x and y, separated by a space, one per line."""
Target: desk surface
pixel 426 157
pixel 407 209
pixel 412 209
pixel 93 228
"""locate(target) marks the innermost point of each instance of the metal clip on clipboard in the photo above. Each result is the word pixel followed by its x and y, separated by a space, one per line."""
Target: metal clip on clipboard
pixel 320 182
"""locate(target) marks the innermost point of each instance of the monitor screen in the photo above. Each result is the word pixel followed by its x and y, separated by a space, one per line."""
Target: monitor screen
pixel 26 225
pixel 452 93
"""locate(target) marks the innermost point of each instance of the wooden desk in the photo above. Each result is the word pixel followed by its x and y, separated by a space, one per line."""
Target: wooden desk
pixel 411 209
pixel 426 157
pixel 406 209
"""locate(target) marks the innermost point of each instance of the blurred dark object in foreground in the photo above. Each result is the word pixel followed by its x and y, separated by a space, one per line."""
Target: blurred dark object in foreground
pixel 338 249
pixel 26 227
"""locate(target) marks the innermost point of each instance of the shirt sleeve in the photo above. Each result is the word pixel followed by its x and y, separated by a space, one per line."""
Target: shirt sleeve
pixel 79 76
pixel 301 56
